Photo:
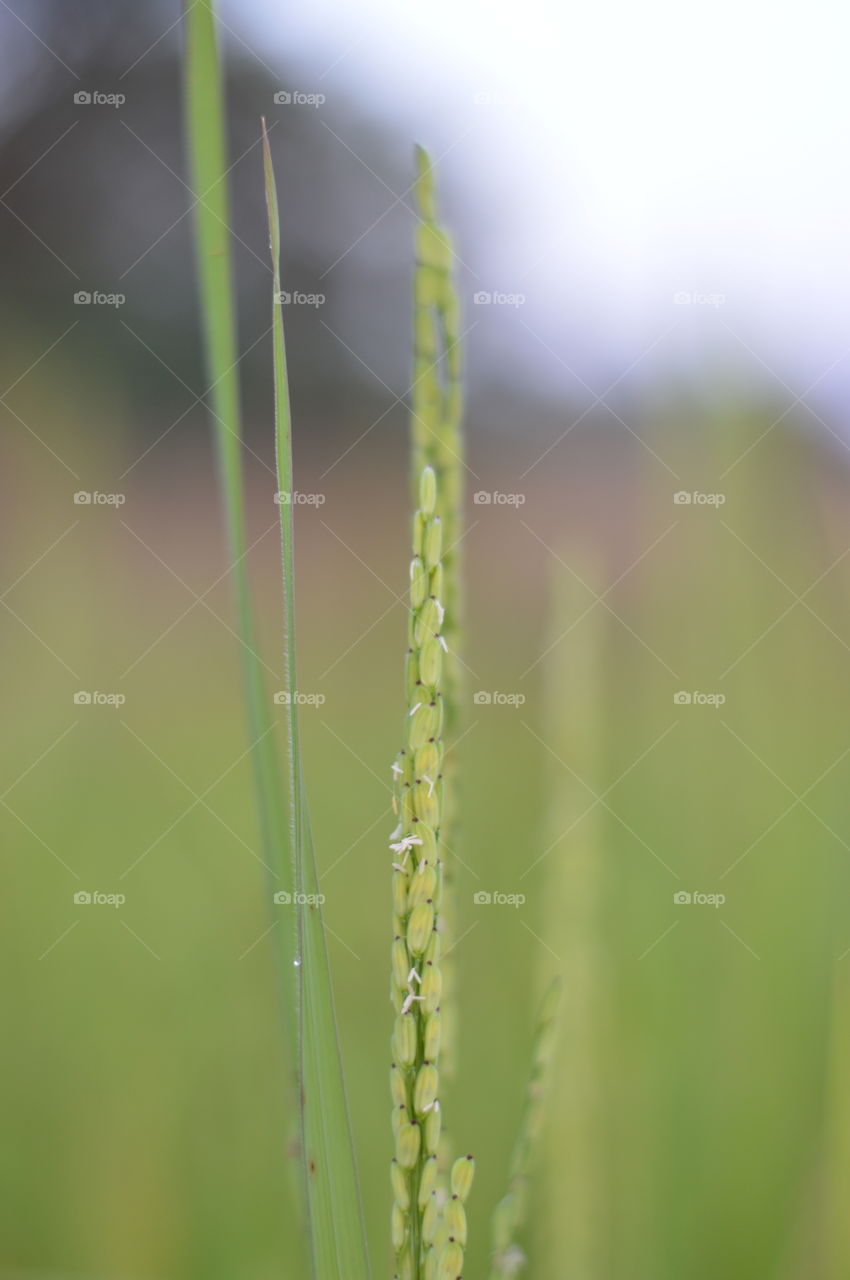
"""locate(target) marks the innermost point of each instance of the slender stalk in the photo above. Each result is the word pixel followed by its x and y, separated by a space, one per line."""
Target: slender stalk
pixel 508 1258
pixel 437 403
pixel 437 440
pixel 337 1236
pixel 570 1221
pixel 420 1231
pixel 836 1172
pixel 207 156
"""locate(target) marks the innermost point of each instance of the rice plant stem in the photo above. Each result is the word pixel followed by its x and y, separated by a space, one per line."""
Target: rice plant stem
pixel 207 156
pixel 509 1214
pixel 332 1194
pixel 437 439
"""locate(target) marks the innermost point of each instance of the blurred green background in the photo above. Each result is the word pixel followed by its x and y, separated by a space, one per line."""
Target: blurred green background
pixel 697 1126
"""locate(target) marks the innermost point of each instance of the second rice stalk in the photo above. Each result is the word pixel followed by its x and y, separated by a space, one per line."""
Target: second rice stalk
pixel 436 430
pixel 428 1228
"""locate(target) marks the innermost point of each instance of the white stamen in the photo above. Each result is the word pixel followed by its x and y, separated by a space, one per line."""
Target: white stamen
pixel 405 844
pixel 430 784
pixel 397 769
pixel 413 974
pixel 443 643
pixel 409 1001
pixel 413 710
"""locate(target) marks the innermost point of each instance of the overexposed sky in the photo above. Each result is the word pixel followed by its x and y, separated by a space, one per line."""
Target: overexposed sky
pixel 633 153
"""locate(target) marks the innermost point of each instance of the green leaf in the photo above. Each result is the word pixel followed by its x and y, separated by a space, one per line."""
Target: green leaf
pixel 205 118
pixel 337 1235
pixel 207 157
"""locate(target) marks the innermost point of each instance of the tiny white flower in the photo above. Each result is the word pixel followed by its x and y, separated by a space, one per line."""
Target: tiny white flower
pixel 405 844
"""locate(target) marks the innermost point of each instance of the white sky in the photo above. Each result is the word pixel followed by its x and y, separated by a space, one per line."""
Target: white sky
pixel 634 151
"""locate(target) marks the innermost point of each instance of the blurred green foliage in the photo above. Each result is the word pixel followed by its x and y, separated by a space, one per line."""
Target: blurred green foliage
pixel 145 1082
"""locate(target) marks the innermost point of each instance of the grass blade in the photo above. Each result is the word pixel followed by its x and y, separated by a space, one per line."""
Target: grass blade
pixel 569 1218
pixel 337 1236
pixel 836 1179
pixel 509 1216
pixel 207 155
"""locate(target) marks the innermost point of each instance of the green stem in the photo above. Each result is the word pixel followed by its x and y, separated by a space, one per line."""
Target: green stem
pixel 204 105
pixel 332 1194
pixel 509 1214
pixel 207 156
pixel 437 439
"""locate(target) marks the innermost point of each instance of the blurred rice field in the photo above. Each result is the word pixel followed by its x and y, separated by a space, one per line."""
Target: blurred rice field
pixel 145 1081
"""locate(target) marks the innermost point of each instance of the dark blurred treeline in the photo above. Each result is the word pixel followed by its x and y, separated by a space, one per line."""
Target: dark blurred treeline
pixel 96 197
